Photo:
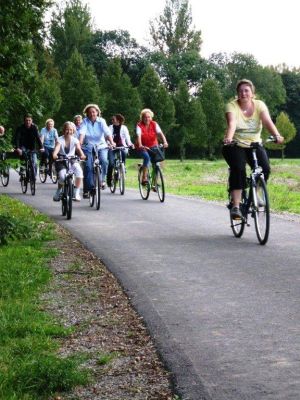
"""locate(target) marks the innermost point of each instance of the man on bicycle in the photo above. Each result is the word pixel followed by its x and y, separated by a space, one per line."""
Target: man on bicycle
pixel 26 138
pixel 48 136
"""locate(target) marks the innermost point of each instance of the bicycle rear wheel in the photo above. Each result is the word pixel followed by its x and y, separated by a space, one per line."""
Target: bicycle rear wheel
pixel 261 211
pixel 159 184
pixel 43 172
pixel 5 175
pixel 144 189
pixel 122 179
pixel 69 193
pixel 114 180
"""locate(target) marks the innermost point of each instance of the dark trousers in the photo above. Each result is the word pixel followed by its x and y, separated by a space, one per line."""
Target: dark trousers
pixel 237 157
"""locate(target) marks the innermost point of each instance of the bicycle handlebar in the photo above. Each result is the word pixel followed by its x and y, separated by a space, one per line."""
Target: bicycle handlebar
pixel 253 144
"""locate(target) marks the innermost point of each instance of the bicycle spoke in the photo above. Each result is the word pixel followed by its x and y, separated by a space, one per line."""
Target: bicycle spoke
pixel 261 212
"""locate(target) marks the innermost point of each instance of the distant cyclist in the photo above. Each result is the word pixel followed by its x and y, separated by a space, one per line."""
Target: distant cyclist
pixel 95 132
pixel 121 137
pixel 27 138
pixel 245 118
pixel 48 137
pixel 78 124
pixel 148 133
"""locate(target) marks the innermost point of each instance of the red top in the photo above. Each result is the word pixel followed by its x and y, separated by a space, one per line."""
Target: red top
pixel 148 136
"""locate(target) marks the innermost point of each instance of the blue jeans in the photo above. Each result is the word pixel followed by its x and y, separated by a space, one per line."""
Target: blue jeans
pixel 146 158
pixel 33 159
pixel 88 182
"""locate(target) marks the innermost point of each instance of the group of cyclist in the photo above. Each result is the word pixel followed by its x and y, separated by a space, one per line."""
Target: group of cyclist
pixel 82 137
pixel 245 118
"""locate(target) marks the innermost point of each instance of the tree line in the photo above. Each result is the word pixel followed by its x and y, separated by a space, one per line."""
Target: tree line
pixel 53 69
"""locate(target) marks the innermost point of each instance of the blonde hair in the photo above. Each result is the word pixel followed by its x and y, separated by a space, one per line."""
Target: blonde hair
pixel 68 123
pixel 86 108
pixel 145 111
pixel 49 120
pixel 245 82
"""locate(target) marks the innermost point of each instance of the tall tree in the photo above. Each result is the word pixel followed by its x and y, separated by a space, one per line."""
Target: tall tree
pixel 190 127
pixel 155 96
pixel 107 45
pixel 21 26
pixel 287 129
pixel 213 107
pixel 71 29
pixel 121 96
pixel 291 81
pixel 176 44
pixel 79 87
pixel 171 32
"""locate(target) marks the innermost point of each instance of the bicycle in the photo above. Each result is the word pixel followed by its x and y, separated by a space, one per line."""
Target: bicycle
pixel 155 179
pixel 67 194
pixel 47 168
pixel 4 170
pixel 118 172
pixel 254 202
pixel 95 193
pixel 27 172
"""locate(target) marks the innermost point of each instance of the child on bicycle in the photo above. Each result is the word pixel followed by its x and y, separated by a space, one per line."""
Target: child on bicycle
pixel 67 146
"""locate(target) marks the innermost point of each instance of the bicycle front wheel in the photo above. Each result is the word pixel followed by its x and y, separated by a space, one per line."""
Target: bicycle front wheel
pixel 261 208
pixel 122 179
pixel 159 184
pixel 114 180
pixel 42 172
pixel 24 182
pixel 5 175
pixel 32 180
pixel 144 188
pixel 69 192
pixel 98 188
pixel 53 174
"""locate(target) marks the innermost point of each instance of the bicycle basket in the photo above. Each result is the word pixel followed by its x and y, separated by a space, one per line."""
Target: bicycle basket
pixel 157 154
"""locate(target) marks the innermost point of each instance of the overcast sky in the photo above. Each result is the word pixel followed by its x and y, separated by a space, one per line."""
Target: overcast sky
pixel 267 29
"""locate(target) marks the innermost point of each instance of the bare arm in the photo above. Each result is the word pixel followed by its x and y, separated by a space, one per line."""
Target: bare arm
pixel 231 127
pixel 80 152
pixel 163 139
pixel 270 126
pixel 55 151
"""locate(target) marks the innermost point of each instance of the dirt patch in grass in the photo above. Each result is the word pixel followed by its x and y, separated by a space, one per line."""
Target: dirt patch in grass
pixel 108 333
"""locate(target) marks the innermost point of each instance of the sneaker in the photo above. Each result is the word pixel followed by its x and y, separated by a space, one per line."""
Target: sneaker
pixel 77 197
pixel 57 195
pixel 86 195
pixel 103 186
pixel 235 213
pixel 154 189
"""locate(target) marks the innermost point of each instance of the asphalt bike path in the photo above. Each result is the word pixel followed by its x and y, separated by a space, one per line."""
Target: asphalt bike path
pixel 224 312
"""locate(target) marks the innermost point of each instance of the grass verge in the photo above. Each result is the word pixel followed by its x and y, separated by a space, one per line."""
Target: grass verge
pixel 29 365
pixel 208 180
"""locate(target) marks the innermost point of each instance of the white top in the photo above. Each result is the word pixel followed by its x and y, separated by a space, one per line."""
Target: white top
pixel 63 151
pixel 95 133
pixel 124 135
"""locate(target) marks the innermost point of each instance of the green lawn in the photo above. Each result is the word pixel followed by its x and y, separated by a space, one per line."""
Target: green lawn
pixel 208 180
pixel 29 365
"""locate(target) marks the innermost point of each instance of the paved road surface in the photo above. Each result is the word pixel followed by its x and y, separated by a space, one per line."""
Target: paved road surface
pixel 224 312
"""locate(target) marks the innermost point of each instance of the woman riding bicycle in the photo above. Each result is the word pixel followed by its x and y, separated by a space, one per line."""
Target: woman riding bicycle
pixel 48 137
pixel 245 118
pixel 148 132
pixel 66 146
pixel 121 138
pixel 95 132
